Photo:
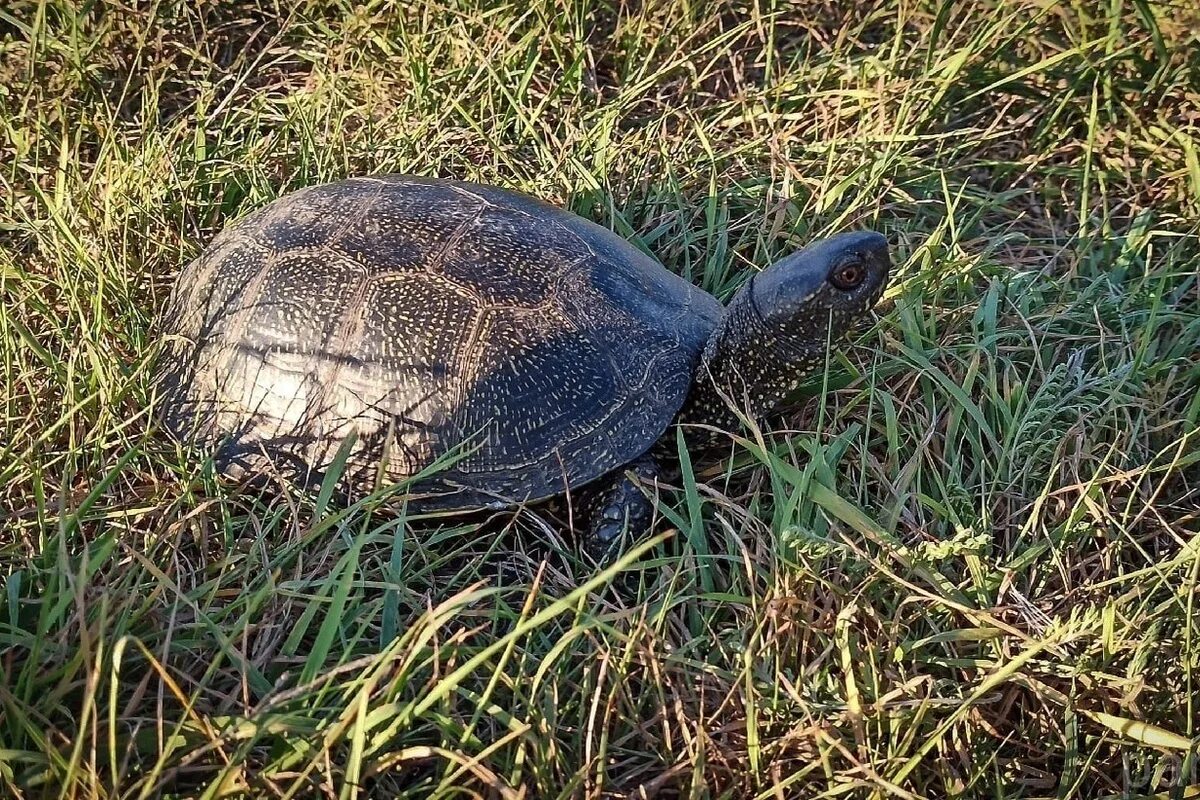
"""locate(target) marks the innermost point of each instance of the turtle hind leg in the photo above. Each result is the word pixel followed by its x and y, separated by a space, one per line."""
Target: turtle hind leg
pixel 619 508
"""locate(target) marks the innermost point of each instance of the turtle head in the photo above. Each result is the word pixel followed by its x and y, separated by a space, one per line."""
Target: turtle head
pixel 775 330
pixel 817 293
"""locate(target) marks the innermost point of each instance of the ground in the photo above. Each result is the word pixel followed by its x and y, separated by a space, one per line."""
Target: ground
pixel 963 564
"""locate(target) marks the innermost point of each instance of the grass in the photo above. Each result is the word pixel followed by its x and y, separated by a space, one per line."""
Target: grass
pixel 964 564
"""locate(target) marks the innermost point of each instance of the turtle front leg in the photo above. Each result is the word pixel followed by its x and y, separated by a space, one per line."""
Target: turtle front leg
pixel 619 506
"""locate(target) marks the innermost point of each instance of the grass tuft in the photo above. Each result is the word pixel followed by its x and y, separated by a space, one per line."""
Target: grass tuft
pixel 964 564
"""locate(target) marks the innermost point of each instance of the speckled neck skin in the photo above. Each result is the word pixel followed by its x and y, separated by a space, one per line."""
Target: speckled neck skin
pixel 751 363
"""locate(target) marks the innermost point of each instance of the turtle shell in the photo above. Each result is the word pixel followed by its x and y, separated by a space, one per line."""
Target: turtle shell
pixel 390 324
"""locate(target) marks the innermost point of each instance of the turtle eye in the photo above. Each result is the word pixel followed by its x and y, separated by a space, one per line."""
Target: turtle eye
pixel 848 276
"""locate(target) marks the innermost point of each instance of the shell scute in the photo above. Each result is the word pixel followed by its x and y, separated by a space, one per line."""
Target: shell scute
pixel 406 227
pixel 511 258
pixel 311 217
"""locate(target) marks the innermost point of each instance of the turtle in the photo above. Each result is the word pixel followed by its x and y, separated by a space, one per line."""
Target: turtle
pixel 478 346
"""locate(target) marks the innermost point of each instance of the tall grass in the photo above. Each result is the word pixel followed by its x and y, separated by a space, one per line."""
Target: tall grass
pixel 964 564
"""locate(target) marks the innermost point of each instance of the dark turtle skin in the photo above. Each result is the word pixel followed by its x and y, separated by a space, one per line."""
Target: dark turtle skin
pixel 405 322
